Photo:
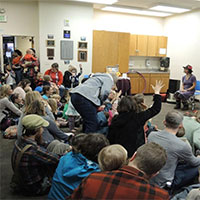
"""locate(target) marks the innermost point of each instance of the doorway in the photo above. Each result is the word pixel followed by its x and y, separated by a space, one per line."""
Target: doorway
pixel 11 43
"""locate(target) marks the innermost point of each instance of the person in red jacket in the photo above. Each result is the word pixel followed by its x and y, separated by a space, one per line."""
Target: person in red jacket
pixel 56 77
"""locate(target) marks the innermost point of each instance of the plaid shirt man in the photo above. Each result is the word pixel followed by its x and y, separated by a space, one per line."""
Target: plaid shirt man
pixel 35 165
pixel 125 183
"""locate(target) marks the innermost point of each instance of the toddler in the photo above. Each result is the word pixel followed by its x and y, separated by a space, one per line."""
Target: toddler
pixel 29 56
pixel 112 157
pixel 74 78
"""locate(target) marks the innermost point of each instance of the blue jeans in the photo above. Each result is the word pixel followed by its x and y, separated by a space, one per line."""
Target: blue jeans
pixel 88 112
pixel 184 175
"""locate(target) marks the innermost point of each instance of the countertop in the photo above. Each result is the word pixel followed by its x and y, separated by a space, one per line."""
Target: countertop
pixel 150 71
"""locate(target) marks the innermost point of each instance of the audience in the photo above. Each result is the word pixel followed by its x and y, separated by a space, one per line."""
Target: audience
pixel 128 182
pixel 181 166
pixel 77 164
pixel 127 127
pixel 32 164
pixel 6 106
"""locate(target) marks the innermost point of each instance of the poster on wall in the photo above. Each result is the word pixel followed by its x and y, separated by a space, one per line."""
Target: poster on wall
pixel 50 53
pixel 82 56
pixel 66 50
pixel 50 43
pixel 82 45
pixel 67 34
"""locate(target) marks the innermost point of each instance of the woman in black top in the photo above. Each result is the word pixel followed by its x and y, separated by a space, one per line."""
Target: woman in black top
pixel 127 126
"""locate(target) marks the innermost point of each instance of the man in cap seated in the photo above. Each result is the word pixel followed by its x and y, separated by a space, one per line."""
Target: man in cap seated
pixel 32 164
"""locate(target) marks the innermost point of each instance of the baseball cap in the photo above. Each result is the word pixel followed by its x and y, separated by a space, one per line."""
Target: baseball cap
pixel 33 121
pixel 188 67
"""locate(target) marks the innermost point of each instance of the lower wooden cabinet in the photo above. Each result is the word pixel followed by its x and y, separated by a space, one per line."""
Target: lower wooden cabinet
pixel 138 83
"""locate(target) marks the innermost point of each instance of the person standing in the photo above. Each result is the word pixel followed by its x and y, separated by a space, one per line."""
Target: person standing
pixel 187 89
pixel 87 97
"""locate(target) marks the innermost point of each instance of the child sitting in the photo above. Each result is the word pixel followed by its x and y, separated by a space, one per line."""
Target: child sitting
pixel 39 79
pixel 112 157
pixel 47 91
pixel 17 100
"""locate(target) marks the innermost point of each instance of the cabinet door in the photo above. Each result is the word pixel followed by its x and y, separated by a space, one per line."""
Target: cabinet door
pixel 134 79
pixel 98 65
pixel 152 46
pixel 133 45
pixel 141 45
pixel 105 50
pixel 123 52
pixel 165 80
pixel 142 83
pixel 153 79
pixel 162 44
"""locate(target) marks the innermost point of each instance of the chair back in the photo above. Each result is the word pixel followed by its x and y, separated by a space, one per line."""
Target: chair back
pixel 197 85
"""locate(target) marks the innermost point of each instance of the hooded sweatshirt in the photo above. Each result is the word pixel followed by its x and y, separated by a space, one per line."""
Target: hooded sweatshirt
pixel 72 168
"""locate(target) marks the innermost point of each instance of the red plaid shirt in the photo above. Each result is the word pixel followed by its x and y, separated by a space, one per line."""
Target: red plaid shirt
pixel 125 183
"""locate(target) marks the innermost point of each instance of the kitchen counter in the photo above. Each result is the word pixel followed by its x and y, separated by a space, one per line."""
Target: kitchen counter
pixel 145 71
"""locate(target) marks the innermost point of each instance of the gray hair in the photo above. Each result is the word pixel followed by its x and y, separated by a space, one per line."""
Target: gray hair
pixel 173 119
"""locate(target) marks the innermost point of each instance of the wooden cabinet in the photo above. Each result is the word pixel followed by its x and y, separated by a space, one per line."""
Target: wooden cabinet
pixel 138 84
pixel 163 77
pixel 123 52
pixel 109 49
pixel 138 45
pixel 141 45
pixel 162 44
pixel 144 45
pixel 152 49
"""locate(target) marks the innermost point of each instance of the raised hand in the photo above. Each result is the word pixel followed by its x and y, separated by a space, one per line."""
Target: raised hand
pixel 159 85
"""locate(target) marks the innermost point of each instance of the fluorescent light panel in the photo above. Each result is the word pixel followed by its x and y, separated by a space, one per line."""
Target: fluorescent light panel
pixel 107 2
pixel 169 9
pixel 134 11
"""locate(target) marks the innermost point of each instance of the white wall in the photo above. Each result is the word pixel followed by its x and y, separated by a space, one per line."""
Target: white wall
pixel 183 33
pixel 51 21
pixel 23 43
pixel 22 20
pixel 135 24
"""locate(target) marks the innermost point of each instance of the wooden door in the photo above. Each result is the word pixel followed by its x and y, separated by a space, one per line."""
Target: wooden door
pixel 134 79
pixel 142 83
pixel 152 46
pixel 142 45
pixel 133 45
pixel 162 44
pixel 123 51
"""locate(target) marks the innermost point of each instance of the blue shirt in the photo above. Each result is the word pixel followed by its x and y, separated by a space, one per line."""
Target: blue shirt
pixel 72 168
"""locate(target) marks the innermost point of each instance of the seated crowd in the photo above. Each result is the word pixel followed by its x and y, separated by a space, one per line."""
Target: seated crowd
pixel 87 141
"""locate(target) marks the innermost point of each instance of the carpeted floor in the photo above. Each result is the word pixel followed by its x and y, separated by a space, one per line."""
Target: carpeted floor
pixel 6 147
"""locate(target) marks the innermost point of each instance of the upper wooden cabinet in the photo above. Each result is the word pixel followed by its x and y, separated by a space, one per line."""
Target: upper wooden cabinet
pixel 162 44
pixel 152 49
pixel 144 45
pixel 138 45
pixel 109 49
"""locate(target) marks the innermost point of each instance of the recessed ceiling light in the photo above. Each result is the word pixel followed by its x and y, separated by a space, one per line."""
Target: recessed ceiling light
pixel 134 11
pixel 169 9
pixel 107 2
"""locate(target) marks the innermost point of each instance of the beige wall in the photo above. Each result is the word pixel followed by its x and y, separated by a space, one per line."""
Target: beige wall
pixel 183 33
pixel 23 43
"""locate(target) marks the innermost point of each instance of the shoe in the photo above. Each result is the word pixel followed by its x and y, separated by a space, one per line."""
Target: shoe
pixel 185 106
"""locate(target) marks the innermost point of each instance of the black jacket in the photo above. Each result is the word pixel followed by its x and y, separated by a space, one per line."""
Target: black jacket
pixel 127 128
pixel 66 79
